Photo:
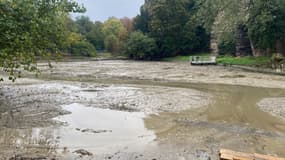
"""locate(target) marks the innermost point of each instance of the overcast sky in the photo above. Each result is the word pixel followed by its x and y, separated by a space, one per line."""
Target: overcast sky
pixel 103 9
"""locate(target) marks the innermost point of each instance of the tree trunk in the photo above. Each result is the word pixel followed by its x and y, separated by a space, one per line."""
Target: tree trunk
pixel 243 45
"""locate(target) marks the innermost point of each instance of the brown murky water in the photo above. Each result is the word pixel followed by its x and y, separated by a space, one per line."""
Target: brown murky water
pixel 232 121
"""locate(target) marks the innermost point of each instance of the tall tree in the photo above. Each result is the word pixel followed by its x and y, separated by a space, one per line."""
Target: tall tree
pixel 267 25
pixel 128 24
pixel 115 35
pixel 169 23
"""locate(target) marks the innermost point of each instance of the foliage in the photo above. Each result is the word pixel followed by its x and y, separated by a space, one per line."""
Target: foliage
pixel 112 44
pixel 141 47
pixel 267 22
pixel 227 47
pixel 115 35
pixel 31 28
pixel 141 21
pixel 263 19
pixel 128 24
pixel 91 31
pixel 169 23
pixel 227 44
pixel 96 36
pixel 82 48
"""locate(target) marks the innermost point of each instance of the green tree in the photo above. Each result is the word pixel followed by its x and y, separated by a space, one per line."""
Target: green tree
pixel 267 24
pixel 84 25
pixel 141 21
pixel 141 47
pixel 260 20
pixel 115 35
pixel 170 23
pixel 30 28
pixel 96 36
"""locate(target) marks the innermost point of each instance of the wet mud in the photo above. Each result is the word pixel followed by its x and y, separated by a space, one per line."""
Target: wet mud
pixel 140 110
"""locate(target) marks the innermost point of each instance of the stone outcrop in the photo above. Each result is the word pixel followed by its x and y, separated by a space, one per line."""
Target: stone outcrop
pixel 243 46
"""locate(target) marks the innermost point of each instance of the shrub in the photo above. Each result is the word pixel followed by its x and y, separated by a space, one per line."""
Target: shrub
pixel 227 48
pixel 141 47
pixel 83 48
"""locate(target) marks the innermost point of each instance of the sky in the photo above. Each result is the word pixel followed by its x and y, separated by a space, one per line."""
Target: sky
pixel 101 10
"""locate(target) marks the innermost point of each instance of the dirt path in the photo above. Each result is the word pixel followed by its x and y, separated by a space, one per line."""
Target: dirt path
pixel 186 114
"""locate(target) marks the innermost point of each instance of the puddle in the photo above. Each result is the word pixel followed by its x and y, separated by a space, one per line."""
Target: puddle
pixel 119 130
pixel 101 131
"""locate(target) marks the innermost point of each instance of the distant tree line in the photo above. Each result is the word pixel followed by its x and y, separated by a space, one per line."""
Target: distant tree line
pixel 40 28
pixel 167 28
pixel 241 28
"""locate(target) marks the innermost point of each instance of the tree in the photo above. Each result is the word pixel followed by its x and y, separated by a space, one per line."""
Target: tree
pixel 267 25
pixel 112 44
pixel 84 25
pixel 96 36
pixel 30 28
pixel 128 24
pixel 115 35
pixel 169 23
pixel 259 22
pixel 141 47
pixel 141 21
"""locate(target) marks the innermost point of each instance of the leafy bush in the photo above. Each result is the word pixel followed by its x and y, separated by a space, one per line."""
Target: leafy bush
pixel 83 48
pixel 227 47
pixel 141 47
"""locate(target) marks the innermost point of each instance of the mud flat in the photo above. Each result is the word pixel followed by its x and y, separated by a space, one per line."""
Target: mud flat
pixel 140 110
pixel 274 106
pixel 158 71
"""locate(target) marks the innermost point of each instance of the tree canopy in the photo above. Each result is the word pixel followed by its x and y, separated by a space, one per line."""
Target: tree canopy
pixel 40 28
pixel 30 28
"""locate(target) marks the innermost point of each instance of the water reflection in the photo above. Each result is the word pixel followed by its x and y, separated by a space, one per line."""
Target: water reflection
pixel 96 130
pixel 124 130
pixel 232 121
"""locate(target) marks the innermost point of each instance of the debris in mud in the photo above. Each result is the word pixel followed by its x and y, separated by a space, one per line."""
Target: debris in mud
pixel 123 107
pixel 202 155
pixel 93 131
pixel 83 152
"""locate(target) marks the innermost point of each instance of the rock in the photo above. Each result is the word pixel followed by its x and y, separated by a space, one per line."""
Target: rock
pixel 83 152
pixel 95 131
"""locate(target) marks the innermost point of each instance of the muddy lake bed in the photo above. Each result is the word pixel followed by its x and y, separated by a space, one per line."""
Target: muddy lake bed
pixel 140 110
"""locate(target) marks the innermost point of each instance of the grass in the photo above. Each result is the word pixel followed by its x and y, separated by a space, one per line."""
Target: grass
pixel 225 60
pixel 243 61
